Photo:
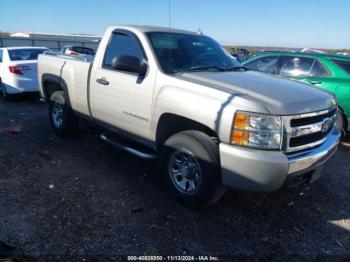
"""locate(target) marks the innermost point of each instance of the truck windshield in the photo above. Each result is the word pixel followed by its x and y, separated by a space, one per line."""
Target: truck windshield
pixel 178 52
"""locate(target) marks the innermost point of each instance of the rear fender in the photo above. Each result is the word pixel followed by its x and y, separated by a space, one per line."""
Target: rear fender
pixel 60 84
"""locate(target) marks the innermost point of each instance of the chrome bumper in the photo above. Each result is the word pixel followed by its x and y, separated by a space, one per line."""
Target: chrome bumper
pixel 304 161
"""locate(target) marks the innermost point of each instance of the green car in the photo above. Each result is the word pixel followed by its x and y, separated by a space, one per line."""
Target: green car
pixel 329 72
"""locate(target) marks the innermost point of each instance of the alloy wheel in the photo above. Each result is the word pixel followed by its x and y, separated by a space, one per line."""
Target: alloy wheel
pixel 185 172
pixel 57 114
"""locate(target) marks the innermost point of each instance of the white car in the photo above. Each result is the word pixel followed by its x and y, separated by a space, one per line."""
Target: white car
pixel 18 70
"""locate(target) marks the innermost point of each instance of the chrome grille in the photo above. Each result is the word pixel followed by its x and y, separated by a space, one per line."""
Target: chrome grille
pixel 308 130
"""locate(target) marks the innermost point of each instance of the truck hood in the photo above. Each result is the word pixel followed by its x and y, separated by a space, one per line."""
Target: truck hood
pixel 279 96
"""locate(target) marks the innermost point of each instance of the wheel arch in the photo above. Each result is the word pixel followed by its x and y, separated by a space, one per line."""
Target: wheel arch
pixel 52 83
pixel 170 124
pixel 345 118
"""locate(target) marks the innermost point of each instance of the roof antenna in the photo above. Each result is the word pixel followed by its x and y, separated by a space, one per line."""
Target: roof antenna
pixel 169 14
pixel 169 54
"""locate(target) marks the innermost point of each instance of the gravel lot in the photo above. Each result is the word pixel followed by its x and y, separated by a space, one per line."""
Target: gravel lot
pixel 80 197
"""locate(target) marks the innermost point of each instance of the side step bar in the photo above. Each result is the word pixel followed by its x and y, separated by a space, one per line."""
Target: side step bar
pixel 128 148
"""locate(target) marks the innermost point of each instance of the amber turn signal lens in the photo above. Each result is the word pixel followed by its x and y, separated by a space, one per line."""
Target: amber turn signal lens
pixel 240 137
pixel 241 121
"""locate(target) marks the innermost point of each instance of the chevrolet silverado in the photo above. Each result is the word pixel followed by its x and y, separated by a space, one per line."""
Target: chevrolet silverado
pixel 179 96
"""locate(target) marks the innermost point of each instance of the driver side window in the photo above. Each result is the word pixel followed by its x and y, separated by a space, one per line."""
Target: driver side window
pixel 121 45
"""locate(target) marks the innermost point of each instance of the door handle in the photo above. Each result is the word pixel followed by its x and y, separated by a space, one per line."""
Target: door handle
pixel 315 82
pixel 102 81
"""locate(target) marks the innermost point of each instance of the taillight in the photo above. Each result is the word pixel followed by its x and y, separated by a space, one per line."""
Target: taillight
pixel 17 70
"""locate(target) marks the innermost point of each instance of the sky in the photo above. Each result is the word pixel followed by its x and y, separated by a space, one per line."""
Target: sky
pixel 279 23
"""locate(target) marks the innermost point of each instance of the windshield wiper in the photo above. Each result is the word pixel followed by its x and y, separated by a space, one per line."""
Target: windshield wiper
pixel 204 68
pixel 236 68
pixel 208 68
pixel 233 68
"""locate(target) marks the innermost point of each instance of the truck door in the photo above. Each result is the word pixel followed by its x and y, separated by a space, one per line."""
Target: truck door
pixel 119 98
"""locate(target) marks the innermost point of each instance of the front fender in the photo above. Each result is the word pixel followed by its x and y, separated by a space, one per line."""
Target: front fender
pixel 212 108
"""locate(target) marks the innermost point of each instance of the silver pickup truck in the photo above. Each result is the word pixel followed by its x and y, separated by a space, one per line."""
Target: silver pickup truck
pixel 179 96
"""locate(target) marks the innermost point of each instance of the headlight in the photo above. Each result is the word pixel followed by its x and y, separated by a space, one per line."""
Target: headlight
pixel 257 130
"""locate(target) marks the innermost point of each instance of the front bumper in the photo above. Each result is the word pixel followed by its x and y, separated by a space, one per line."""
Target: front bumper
pixel 259 170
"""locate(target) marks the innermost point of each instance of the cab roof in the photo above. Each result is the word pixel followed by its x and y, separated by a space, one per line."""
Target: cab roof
pixel 149 29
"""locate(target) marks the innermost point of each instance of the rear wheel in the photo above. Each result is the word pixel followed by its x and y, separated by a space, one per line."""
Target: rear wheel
pixel 190 162
pixel 3 94
pixel 62 118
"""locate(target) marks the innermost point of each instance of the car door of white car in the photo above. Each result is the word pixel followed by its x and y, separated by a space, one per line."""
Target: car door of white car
pixel 120 98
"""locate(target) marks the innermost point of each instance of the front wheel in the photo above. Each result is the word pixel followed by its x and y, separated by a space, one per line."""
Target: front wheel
pixel 191 164
pixel 342 122
pixel 62 118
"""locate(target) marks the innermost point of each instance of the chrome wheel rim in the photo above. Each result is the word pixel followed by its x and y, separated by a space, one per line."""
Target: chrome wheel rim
pixel 185 172
pixel 57 115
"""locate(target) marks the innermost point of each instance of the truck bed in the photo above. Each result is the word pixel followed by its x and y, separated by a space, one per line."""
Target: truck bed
pixel 71 71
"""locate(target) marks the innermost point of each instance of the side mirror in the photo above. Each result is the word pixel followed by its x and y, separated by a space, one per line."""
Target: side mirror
pixel 129 64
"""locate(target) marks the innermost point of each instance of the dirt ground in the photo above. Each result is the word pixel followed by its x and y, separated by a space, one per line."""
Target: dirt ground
pixel 82 198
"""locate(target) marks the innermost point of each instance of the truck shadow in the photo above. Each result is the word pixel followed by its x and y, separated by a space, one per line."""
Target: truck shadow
pixel 32 98
pixel 297 211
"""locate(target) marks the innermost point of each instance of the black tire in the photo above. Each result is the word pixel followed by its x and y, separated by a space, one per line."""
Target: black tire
pixel 342 123
pixel 3 94
pixel 203 152
pixel 62 118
